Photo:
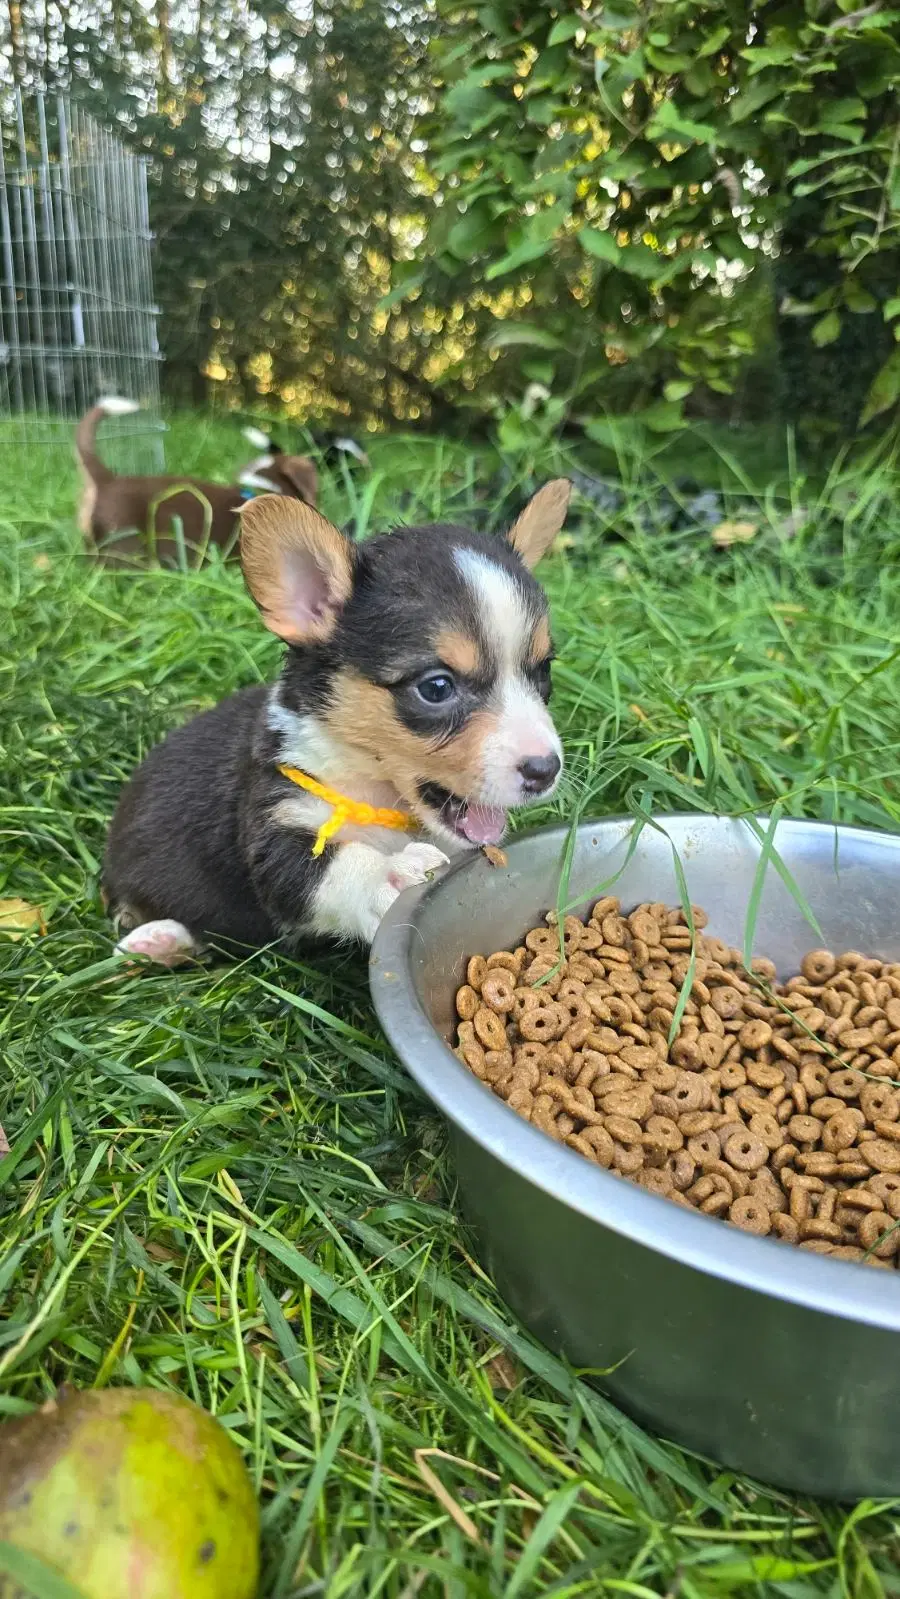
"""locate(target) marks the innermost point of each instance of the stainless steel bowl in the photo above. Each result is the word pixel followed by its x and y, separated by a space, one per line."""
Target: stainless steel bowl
pixel 779 1363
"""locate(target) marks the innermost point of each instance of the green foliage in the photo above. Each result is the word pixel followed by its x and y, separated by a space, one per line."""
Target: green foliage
pixel 283 184
pixel 624 174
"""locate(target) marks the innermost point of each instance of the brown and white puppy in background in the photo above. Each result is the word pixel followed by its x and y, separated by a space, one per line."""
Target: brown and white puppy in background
pixel 131 507
pixel 416 679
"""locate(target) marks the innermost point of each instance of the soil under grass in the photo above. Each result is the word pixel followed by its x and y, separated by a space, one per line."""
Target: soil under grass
pixel 222 1181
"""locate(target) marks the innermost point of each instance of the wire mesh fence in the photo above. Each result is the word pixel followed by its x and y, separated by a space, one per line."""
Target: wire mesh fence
pixel 77 314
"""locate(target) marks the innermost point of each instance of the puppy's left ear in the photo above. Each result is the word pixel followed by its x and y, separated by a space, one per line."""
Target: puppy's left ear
pixel 536 527
pixel 297 566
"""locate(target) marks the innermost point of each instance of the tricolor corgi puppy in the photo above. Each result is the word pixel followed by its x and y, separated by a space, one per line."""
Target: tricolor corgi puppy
pixel 409 718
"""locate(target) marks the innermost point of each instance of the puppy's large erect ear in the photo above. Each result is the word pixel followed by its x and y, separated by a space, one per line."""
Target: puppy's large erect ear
pixel 536 527
pixel 297 566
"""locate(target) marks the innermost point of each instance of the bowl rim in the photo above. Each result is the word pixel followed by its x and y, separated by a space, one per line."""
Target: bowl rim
pixel 684 1236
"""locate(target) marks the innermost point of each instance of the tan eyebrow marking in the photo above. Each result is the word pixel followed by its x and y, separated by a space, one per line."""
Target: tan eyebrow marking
pixel 458 651
pixel 541 645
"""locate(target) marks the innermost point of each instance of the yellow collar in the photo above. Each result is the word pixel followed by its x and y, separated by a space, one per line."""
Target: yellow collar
pixel 347 810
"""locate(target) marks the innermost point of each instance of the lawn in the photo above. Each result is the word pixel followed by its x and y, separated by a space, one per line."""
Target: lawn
pixel 222 1182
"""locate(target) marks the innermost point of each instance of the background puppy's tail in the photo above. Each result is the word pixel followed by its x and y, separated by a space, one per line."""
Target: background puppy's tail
pixel 86 434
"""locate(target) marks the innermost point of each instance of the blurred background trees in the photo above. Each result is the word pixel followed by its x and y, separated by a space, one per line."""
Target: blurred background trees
pixel 414 212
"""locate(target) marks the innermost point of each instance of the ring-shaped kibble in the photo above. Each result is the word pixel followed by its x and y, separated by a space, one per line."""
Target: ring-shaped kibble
pixel 763 1075
pixel 712 1048
pixel 619 1011
pixel 572 985
pixel 754 1035
pixel 715 950
pixel 622 980
pixel 689 1091
pixel 879 1233
pixel 804 1129
pixel 644 926
pixel 763 968
pixel 506 959
pixel 476 972
pixel 572 1008
pixel 727 1002
pixel 525 999
pixel 666 1132
pixel 614 930
pixel 732 1075
pixel 498 990
pixel 814 1077
pixel 684 1170
pixel 526 1073
pixel 489 1029
pixel 839 1132
pixel 881 1154
pixel 542 1025
pixel 686 1052
pixel 846 1084
pixel 879 1102
pixel 745 1151
pixel 883 1185
pixel 661 1077
pixel 499 1060
pixel 542 941
pixel 765 1126
pixel 751 1215
pixel 578 1033
pixel 818 965
pixel 704 1146
pixel 531 1053
pixel 786 1227
pixel 656 1180
pixel 467 1002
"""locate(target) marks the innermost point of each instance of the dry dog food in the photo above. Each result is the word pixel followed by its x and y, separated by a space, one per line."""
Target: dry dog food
pixel 775 1106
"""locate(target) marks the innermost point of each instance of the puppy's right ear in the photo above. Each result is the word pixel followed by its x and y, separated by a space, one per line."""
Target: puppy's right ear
pixel 297 566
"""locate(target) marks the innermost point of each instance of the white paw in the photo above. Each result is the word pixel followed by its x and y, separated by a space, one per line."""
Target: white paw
pixel 414 864
pixel 166 942
pixel 409 866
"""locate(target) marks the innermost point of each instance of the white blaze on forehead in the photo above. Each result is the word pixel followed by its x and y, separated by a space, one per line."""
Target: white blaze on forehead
pixel 506 615
pixel 524 726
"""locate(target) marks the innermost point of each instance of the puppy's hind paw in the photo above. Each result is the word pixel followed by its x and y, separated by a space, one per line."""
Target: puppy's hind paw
pixel 167 943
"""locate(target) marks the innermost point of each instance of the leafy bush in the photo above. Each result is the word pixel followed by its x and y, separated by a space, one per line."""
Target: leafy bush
pixel 615 184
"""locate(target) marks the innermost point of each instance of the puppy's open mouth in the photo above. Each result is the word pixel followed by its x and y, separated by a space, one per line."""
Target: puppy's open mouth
pixel 468 819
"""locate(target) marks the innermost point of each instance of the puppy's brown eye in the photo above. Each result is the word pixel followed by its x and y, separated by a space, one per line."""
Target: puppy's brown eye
pixel 436 689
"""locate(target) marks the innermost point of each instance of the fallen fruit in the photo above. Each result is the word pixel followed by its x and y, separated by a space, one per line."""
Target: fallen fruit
pixel 129 1493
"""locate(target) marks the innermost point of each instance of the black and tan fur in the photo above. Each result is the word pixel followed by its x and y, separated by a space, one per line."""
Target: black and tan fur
pixel 209 838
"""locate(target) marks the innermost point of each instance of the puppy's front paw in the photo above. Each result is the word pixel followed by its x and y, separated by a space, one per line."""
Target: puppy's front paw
pixel 361 884
pixel 409 866
pixel 414 864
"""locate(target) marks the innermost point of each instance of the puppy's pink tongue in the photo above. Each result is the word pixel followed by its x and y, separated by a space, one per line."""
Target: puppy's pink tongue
pixel 483 824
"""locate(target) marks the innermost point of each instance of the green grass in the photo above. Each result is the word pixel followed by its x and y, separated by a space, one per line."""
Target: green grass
pixel 222 1181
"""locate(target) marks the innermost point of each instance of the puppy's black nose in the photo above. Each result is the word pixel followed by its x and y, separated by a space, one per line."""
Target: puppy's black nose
pixel 538 772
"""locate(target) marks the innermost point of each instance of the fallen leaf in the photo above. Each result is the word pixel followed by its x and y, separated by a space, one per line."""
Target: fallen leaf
pixel 17 918
pixel 639 712
pixel 494 856
pixel 728 533
pixel 42 563
pixel 504 1372
pixel 4 1143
